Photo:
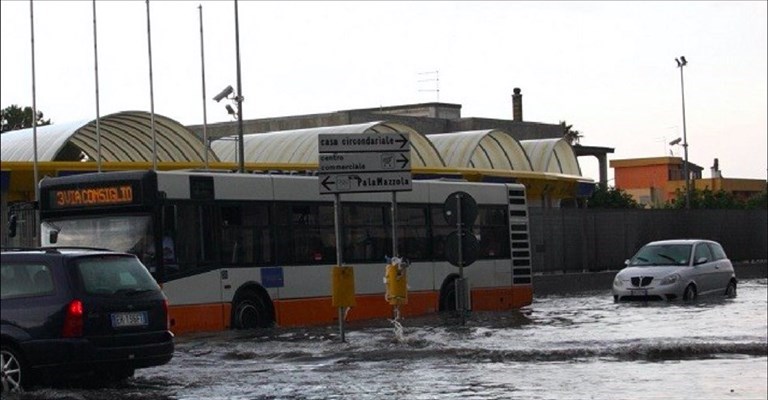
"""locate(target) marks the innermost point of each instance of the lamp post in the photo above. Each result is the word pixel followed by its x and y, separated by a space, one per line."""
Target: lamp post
pixel 681 62
pixel 229 93
pixel 239 98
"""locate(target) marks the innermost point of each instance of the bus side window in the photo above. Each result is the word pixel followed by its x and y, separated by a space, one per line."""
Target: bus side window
pixel 187 241
pixel 169 233
pixel 232 238
pixel 491 227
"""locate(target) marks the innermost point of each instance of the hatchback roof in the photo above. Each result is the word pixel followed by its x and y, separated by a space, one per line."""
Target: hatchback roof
pixel 679 241
pixel 57 250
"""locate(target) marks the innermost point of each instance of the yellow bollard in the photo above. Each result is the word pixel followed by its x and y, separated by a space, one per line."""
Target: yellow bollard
pixel 343 286
pixel 397 285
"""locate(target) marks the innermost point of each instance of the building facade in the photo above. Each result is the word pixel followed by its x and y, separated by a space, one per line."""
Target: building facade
pixel 655 181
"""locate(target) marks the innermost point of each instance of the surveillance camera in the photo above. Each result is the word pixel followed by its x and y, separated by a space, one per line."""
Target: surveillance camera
pixel 674 142
pixel 224 93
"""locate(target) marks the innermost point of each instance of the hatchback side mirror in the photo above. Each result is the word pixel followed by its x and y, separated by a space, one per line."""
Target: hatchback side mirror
pixel 701 260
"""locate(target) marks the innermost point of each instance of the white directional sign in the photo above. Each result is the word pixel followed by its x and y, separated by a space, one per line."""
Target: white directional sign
pixel 365 182
pixel 354 163
pixel 365 162
pixel 363 142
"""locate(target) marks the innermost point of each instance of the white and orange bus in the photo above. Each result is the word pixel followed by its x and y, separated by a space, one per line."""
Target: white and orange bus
pixel 253 250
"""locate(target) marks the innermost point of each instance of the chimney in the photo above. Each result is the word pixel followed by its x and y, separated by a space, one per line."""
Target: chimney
pixel 517 105
pixel 715 170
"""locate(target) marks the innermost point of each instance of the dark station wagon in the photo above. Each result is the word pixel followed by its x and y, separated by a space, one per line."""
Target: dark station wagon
pixel 78 311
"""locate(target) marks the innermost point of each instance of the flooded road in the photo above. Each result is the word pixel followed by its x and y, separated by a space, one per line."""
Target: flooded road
pixel 576 347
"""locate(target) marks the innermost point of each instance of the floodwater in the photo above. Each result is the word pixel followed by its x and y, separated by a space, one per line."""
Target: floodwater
pixel 576 347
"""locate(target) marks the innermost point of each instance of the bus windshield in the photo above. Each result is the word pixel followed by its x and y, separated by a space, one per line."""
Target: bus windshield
pixel 131 234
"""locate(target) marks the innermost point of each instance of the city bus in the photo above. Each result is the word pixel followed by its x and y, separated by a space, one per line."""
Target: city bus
pixel 241 251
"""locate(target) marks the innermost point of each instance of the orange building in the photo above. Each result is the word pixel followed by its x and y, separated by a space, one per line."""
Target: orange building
pixel 653 181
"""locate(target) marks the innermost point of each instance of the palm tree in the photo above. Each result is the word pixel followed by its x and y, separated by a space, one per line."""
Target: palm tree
pixel 569 134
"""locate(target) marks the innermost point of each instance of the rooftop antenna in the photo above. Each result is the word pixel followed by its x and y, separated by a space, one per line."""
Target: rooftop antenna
pixel 432 76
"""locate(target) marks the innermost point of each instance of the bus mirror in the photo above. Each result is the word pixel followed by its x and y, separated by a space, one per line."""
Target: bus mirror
pixel 53 232
pixel 12 226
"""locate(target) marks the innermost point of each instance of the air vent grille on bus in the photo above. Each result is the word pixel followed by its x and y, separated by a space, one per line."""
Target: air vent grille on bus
pixel 519 237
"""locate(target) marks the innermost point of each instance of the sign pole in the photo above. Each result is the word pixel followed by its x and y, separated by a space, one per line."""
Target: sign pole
pixel 394 224
pixel 339 252
pixel 460 282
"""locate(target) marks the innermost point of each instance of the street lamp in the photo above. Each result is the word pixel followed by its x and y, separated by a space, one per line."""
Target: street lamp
pixel 236 97
pixel 681 62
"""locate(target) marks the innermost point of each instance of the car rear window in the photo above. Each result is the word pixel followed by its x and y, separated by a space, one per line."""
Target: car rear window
pixel 109 275
pixel 25 280
pixel 717 251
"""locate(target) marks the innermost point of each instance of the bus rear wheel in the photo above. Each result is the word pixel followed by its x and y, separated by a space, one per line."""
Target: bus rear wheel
pixel 251 311
pixel 448 294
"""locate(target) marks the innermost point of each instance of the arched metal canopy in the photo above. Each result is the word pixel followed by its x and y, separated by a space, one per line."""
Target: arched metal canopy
pixel 552 155
pixel 124 136
pixel 487 149
pixel 300 146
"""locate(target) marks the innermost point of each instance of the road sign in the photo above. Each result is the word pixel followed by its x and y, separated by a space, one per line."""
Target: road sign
pixel 332 163
pixel 362 142
pixel 468 209
pixel 365 182
pixel 362 162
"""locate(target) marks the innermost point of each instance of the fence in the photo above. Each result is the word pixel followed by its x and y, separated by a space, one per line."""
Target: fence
pixel 576 240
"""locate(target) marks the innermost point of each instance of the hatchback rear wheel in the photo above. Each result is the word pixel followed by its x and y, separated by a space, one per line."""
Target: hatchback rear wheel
pixel 730 291
pixel 13 373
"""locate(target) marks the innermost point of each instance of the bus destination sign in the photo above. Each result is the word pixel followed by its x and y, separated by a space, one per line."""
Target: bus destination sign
pixel 92 196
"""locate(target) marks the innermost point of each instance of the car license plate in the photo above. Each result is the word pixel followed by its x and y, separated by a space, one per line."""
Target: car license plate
pixel 126 319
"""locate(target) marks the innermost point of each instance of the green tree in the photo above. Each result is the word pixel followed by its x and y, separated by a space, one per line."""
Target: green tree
pixel 611 197
pixel 759 200
pixel 14 117
pixel 709 199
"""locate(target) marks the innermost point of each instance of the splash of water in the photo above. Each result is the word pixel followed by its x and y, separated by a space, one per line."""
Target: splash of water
pixel 399 335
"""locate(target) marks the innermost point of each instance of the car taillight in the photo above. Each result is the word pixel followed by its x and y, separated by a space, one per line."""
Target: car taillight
pixel 167 315
pixel 73 320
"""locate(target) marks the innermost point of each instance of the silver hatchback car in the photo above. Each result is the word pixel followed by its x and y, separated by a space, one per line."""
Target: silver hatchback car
pixel 675 269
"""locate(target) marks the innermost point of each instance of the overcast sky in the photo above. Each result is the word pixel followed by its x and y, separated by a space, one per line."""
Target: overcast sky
pixel 607 68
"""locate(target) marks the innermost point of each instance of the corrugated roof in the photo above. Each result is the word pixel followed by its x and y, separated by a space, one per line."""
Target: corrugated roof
pixel 125 136
pixel 489 149
pixel 552 155
pixel 300 146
